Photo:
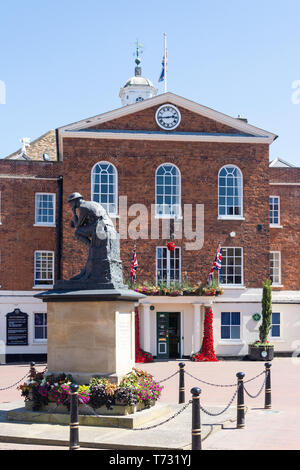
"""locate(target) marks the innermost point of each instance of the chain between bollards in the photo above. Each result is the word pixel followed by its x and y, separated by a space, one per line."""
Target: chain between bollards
pixel 240 422
pixel 74 422
pixel 196 419
pixel 268 400
pixel 181 383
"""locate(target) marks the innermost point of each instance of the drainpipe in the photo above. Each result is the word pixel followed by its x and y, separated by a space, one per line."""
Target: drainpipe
pixel 59 227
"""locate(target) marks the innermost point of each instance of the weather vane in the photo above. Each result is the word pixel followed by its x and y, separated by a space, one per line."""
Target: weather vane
pixel 139 50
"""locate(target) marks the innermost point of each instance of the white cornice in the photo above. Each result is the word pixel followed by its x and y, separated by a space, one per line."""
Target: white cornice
pixel 173 137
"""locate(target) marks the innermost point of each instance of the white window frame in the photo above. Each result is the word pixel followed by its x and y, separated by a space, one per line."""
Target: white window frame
pixel 276 324
pixel 242 267
pixel 39 340
pixel 276 284
pixel 231 340
pixel 178 205
pixel 42 286
pixel 115 188
pixel 44 224
pixel 168 269
pixel 241 196
pixel 273 224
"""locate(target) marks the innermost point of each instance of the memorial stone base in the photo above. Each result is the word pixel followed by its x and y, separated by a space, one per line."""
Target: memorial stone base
pixel 91 333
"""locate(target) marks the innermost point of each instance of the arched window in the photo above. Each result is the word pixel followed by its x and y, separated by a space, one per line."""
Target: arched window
pixel 168 191
pixel 230 192
pixel 105 186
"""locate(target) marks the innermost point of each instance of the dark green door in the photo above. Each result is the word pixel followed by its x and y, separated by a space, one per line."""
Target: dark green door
pixel 168 335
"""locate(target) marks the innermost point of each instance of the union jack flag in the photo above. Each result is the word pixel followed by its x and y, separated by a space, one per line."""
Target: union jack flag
pixel 134 265
pixel 217 265
pixel 164 68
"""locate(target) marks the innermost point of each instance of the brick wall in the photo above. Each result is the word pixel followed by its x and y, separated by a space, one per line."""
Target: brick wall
pixel 199 164
pixel 19 181
pixel 145 120
pixel 287 239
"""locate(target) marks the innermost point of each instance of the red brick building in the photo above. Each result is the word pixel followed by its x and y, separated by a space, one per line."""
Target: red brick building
pixel 159 162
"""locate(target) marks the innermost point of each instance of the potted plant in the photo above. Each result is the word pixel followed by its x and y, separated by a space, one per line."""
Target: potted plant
pixel 262 349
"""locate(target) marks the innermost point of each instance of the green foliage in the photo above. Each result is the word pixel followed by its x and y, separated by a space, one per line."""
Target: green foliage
pixel 266 311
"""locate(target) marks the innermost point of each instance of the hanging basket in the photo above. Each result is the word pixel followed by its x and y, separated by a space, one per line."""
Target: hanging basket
pixel 171 246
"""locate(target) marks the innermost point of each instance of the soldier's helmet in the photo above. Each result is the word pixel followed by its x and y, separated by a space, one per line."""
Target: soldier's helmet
pixel 74 196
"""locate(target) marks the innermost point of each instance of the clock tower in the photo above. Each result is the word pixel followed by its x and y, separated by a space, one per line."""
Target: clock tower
pixel 137 88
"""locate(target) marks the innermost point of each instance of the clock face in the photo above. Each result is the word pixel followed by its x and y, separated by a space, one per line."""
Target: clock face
pixel 168 117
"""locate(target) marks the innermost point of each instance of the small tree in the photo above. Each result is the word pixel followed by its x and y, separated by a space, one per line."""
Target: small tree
pixel 266 311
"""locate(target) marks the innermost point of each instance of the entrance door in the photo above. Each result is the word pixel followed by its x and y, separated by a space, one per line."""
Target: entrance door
pixel 168 335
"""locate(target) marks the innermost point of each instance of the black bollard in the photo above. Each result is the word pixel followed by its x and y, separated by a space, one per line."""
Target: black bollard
pixel 240 423
pixel 196 419
pixel 181 383
pixel 74 423
pixel 32 370
pixel 268 400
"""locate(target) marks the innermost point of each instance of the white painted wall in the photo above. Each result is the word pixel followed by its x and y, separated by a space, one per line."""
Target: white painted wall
pixel 25 301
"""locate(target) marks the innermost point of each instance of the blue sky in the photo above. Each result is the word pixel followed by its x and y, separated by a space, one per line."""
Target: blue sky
pixel 62 61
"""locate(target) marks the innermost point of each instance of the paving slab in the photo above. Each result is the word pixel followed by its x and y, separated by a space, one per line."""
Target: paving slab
pixel 173 434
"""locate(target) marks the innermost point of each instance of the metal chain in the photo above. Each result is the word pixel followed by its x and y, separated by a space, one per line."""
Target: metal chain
pixel 253 378
pixel 166 420
pixel 164 380
pixel 225 409
pixel 11 386
pixel 259 392
pixel 208 383
pixel 27 375
pixel 220 385
pixel 148 427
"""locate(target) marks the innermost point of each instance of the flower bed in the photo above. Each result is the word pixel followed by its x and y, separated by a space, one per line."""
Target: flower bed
pixel 177 290
pixel 136 390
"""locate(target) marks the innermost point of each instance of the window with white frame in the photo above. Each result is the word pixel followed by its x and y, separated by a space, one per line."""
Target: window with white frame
pixel 105 186
pixel 230 192
pixel 230 325
pixel 44 209
pixel 40 327
pixel 231 272
pixel 168 265
pixel 275 325
pixel 167 191
pixel 275 267
pixel 274 210
pixel 43 268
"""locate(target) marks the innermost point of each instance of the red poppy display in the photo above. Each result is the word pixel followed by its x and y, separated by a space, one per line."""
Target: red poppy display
pixel 140 355
pixel 207 353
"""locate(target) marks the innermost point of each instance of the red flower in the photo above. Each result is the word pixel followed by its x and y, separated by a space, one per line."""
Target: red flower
pixel 171 246
pixel 207 353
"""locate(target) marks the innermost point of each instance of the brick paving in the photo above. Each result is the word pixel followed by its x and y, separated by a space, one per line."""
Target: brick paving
pixel 276 429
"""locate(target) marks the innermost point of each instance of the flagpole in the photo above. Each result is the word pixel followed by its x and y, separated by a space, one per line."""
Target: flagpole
pixel 166 59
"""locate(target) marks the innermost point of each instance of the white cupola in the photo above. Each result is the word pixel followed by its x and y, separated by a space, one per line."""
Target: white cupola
pixel 137 88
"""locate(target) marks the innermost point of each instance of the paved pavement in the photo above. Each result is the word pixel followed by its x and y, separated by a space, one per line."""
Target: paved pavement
pixel 275 429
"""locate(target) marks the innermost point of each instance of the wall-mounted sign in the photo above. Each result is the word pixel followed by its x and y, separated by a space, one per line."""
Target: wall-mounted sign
pixel 17 328
pixel 256 317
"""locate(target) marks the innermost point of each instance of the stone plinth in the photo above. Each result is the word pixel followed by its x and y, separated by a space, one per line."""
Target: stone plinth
pixel 91 333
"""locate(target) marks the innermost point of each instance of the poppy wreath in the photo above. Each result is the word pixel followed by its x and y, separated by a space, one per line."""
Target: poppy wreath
pixel 171 246
pixel 207 353
pixel 140 354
